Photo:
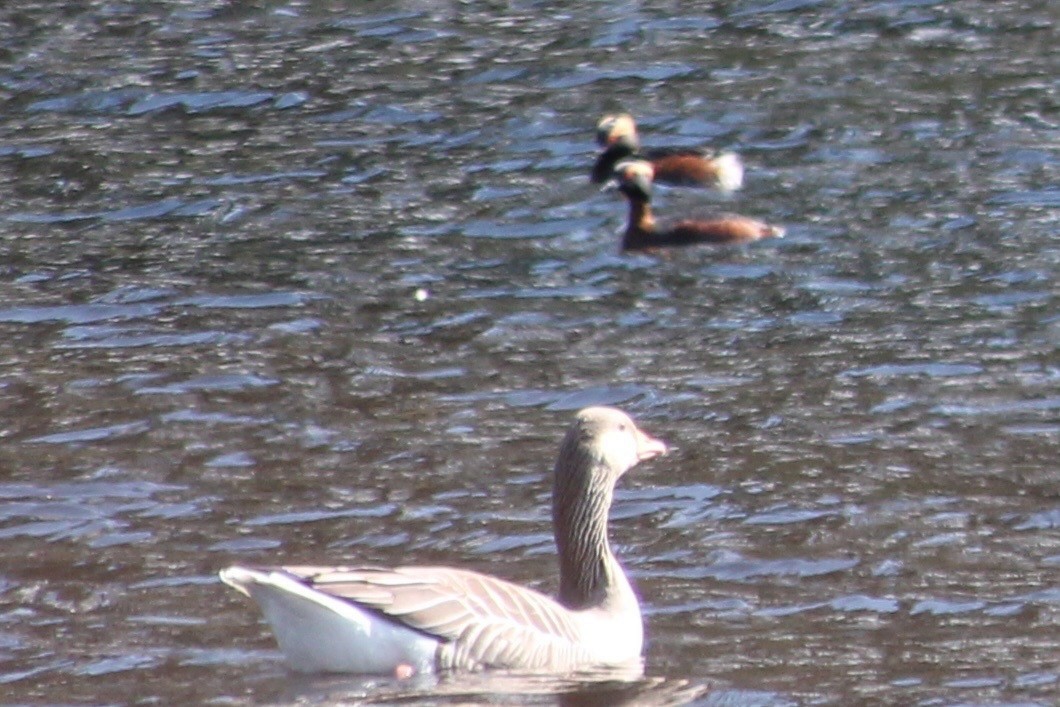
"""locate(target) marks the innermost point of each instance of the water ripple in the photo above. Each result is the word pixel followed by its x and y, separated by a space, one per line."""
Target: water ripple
pixel 934 370
pixel 583 77
pixel 78 313
pixel 734 568
pixel 198 102
pixel 93 434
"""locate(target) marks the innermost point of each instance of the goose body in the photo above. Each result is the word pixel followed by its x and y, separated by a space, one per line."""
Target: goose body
pixel 634 179
pixel 413 619
pixel 618 140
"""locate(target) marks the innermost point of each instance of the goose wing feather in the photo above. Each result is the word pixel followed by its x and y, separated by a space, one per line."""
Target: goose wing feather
pixel 482 620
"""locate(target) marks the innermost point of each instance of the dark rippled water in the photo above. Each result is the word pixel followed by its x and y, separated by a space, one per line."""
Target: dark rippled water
pixel 319 281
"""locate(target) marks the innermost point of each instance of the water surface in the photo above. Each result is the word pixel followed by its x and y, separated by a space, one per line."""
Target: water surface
pixel 309 282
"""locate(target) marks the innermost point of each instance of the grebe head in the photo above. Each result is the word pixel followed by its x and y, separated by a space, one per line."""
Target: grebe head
pixel 617 129
pixel 634 178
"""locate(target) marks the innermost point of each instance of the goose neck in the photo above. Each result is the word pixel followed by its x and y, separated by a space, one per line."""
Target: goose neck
pixel 589 572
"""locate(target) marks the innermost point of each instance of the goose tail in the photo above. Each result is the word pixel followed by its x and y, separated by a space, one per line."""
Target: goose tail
pixel 321 633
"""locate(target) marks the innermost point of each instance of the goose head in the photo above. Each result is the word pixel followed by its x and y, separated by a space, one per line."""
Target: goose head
pixel 611 437
pixel 601 445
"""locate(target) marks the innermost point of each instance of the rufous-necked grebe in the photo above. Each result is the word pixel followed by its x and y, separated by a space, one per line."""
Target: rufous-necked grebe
pixel 634 179
pixel 617 137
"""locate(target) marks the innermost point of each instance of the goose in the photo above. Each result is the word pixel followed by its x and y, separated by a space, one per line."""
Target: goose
pixel 617 137
pixel 418 619
pixel 634 179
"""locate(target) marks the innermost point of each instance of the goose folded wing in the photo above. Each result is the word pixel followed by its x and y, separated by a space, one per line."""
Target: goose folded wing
pixel 490 621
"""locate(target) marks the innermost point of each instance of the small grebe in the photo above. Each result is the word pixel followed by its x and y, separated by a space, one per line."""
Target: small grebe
pixel 617 135
pixel 634 179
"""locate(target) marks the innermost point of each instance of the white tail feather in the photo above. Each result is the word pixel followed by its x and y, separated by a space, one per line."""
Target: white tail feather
pixel 320 633
pixel 730 171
